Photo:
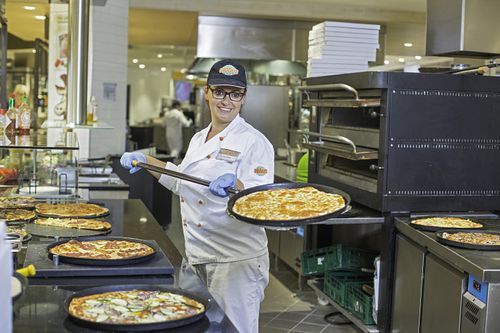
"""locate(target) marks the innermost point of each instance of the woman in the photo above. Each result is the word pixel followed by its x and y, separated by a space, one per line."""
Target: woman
pixel 231 256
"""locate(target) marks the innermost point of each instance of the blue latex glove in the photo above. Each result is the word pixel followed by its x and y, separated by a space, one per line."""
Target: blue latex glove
pixel 127 158
pixel 220 185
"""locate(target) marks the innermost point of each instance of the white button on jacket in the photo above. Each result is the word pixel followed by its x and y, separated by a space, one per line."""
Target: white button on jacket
pixel 212 235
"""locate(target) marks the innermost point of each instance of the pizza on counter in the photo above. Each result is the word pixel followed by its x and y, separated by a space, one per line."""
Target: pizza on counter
pixel 447 222
pixel 15 215
pixel 134 307
pixel 17 202
pixel 103 249
pixel 71 210
pixel 74 223
pixel 18 230
pixel 475 238
pixel 288 204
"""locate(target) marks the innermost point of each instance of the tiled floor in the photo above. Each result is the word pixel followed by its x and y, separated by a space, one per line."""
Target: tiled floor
pixel 285 308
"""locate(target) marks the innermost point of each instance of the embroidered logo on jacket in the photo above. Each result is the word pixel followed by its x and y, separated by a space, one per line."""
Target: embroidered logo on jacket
pixel 260 171
pixel 229 70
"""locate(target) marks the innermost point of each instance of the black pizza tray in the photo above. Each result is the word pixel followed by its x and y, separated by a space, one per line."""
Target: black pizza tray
pixel 286 223
pixel 431 228
pixel 102 262
pixel 136 327
pixel 36 254
pixel 52 231
pixel 440 239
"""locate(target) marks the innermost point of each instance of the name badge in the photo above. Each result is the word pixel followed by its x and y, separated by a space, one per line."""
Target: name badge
pixel 227 155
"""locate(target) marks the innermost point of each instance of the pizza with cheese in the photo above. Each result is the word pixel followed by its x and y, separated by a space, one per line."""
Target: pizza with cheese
pixel 18 230
pixel 475 238
pixel 74 223
pixel 103 249
pixel 17 202
pixel 71 210
pixel 15 215
pixel 134 307
pixel 447 222
pixel 288 204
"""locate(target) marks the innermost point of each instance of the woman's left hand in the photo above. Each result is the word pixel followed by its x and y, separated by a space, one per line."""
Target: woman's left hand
pixel 220 185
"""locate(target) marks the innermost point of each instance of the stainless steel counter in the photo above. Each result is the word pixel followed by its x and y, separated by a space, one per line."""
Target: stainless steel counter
pixel 41 308
pixel 484 265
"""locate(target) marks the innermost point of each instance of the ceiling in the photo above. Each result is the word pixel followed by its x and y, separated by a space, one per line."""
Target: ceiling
pixel 170 27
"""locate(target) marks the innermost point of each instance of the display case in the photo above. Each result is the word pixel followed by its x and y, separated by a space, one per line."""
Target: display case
pixel 42 164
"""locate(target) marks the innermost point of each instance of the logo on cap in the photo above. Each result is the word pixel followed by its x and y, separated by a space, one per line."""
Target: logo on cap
pixel 228 70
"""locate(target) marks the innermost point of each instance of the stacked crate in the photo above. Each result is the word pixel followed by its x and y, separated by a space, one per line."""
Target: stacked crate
pixel 342 268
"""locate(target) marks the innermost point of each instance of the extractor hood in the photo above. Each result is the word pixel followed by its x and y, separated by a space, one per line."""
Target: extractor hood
pixel 463 28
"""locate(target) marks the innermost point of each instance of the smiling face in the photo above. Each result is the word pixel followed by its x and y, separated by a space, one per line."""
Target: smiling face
pixel 223 110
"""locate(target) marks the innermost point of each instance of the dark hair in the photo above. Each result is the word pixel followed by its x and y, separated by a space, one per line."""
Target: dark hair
pixel 176 103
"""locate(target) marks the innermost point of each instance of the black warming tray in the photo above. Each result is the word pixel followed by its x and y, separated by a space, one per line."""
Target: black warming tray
pixel 37 255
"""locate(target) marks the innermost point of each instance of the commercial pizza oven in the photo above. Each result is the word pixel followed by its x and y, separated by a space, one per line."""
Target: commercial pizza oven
pixel 407 141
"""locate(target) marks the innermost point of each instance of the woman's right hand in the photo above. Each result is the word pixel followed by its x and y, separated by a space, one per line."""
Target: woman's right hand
pixel 127 158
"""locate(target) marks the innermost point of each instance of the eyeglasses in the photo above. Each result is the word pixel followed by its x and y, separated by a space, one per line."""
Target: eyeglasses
pixel 235 95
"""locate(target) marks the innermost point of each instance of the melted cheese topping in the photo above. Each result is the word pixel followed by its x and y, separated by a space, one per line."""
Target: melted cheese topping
pixel 288 204
pixel 75 223
pixel 71 210
pixel 134 307
pixel 102 249
pixel 12 215
pixel 447 222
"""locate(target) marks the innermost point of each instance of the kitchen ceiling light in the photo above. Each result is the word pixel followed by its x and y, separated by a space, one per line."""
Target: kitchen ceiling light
pixel 163 69
pixel 40 17
pixel 135 61
pixel 142 66
pixel 401 59
pixel 408 44
pixel 387 62
pixel 418 57
pixel 159 55
pixel 34 51
pixel 29 7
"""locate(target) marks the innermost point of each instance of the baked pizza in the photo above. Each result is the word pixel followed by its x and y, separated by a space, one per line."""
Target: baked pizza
pixel 17 202
pixel 71 210
pixel 18 230
pixel 104 249
pixel 134 307
pixel 288 204
pixel 475 238
pixel 13 215
pixel 74 223
pixel 447 222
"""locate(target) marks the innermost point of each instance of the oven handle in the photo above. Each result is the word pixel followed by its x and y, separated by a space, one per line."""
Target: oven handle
pixel 334 86
pixel 337 138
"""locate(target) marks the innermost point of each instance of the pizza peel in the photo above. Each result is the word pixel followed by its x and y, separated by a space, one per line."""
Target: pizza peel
pixel 61 232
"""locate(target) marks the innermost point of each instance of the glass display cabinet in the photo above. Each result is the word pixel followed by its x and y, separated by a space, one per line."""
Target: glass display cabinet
pixel 43 164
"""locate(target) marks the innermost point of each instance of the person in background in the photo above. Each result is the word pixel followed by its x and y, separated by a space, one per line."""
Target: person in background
pixel 229 255
pixel 19 92
pixel 174 121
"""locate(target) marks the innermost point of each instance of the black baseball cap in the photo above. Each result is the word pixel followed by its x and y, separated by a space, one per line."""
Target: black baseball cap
pixel 227 73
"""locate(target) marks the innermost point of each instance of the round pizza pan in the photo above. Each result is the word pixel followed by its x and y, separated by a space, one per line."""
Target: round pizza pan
pixel 136 327
pixel 286 223
pixel 52 231
pixel 440 239
pixel 102 262
pixel 431 228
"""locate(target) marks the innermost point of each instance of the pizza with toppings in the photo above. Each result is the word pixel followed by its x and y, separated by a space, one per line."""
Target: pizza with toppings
pixel 17 202
pixel 134 307
pixel 71 210
pixel 14 215
pixel 475 238
pixel 103 249
pixel 288 204
pixel 18 230
pixel 74 223
pixel 447 222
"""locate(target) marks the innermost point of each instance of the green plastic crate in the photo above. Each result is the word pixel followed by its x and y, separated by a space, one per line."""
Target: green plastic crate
pixel 313 262
pixel 360 304
pixel 336 284
pixel 348 258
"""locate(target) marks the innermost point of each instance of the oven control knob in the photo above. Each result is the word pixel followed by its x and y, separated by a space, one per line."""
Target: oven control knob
pixel 375 168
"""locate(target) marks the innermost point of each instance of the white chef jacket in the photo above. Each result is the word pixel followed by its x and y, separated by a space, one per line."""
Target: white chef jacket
pixel 174 121
pixel 210 234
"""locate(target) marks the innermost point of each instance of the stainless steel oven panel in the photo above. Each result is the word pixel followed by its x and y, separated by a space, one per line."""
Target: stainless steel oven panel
pixel 349 178
pixel 366 137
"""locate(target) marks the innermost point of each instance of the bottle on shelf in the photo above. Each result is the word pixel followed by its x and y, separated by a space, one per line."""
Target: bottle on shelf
pixel 24 117
pixel 92 111
pixel 11 119
pixel 3 121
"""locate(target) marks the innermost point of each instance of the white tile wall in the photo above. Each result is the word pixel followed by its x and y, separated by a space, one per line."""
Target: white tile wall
pixel 109 64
